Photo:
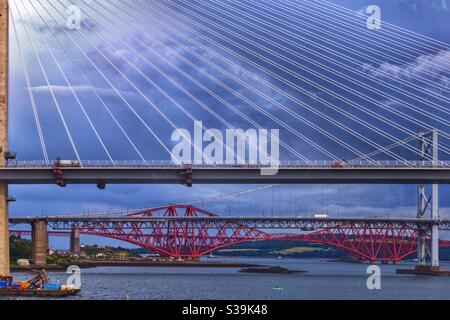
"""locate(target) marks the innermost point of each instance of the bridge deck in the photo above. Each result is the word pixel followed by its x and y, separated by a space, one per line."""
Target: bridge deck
pixel 305 223
pixel 228 175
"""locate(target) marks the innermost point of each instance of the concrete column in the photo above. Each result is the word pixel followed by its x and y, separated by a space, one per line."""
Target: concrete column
pixel 75 241
pixel 4 50
pixel 4 230
pixel 4 69
pixel 39 242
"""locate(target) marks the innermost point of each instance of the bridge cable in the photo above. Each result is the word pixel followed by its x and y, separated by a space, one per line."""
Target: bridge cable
pixel 339 24
pixel 307 14
pixel 394 125
pixel 163 92
pixel 228 89
pixel 237 66
pixel 173 82
pixel 299 89
pixel 210 92
pixel 232 194
pixel 271 100
pixel 254 90
pixel 49 87
pixel 398 30
pixel 29 88
pixel 70 87
pixel 391 146
pixel 343 99
pixel 409 139
pixel 268 72
pixel 393 110
pixel 148 62
pixel 248 101
pixel 265 22
pixel 109 82
pixel 155 85
pixel 387 107
pixel 91 86
pixel 145 97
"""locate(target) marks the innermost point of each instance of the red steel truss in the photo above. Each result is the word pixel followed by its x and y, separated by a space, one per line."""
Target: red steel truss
pixel 192 239
pixel 186 239
pixel 368 244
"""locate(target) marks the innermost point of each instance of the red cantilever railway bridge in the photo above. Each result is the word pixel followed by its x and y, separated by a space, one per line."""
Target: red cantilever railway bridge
pixel 190 232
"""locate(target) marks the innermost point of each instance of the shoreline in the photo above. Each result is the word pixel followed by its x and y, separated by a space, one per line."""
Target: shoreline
pixel 145 263
pixel 85 265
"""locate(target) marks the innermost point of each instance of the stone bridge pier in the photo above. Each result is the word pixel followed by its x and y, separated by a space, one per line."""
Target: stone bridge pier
pixel 39 242
pixel 75 241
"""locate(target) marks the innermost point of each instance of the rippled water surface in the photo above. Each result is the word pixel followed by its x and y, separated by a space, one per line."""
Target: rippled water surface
pixel 323 280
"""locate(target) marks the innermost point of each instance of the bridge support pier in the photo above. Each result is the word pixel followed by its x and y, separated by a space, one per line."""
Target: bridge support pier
pixel 39 242
pixel 75 241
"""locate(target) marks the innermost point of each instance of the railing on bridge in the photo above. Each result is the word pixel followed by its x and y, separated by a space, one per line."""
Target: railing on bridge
pixel 282 164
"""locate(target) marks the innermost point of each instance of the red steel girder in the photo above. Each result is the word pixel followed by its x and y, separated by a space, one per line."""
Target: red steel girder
pixel 192 239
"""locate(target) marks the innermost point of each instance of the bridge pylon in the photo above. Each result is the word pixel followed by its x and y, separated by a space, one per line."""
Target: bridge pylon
pixel 4 69
pixel 428 148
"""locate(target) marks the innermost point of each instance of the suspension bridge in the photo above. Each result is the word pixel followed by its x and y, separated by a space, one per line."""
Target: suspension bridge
pixel 113 79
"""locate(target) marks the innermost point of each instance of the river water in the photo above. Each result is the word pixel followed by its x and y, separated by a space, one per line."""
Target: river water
pixel 323 280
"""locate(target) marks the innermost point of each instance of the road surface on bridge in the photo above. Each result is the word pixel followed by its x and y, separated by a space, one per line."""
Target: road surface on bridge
pixel 384 172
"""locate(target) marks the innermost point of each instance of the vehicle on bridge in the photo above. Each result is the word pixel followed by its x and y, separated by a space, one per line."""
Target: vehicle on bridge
pixel 67 163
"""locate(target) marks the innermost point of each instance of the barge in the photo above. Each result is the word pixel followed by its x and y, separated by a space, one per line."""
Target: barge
pixel 37 293
pixel 37 286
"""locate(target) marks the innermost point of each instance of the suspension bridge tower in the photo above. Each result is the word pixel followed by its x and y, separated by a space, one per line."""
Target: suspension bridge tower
pixel 4 61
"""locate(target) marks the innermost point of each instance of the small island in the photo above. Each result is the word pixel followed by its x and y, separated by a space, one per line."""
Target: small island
pixel 270 270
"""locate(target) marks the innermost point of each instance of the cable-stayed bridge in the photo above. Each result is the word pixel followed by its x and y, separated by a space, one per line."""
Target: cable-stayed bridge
pixel 388 128
pixel 114 79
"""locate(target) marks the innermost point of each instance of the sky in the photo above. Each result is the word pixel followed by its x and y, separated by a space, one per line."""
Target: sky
pixel 163 57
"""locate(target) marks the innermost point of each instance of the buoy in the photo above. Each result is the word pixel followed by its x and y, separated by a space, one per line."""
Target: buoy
pixel 277 288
